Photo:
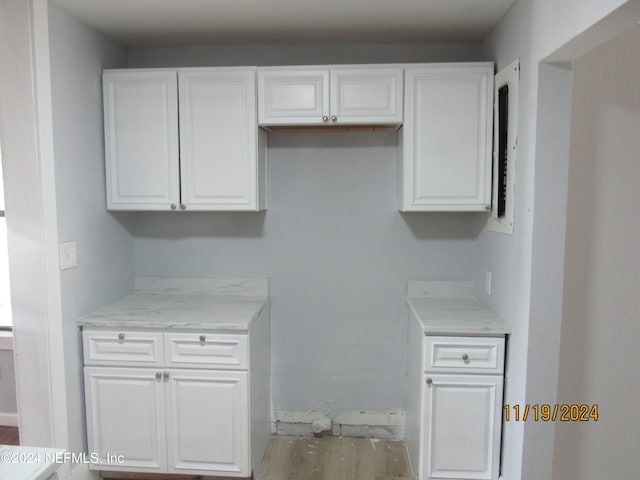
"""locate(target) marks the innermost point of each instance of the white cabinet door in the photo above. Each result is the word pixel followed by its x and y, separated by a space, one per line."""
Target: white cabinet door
pixel 141 139
pixel 446 138
pixel 208 422
pixel 363 95
pixel 126 416
pixel 462 415
pixel 218 139
pixel 368 95
pixel 293 96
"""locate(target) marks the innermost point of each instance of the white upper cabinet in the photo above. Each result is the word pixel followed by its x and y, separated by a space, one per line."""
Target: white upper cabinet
pixel 445 163
pixel 141 139
pixel 203 152
pixel 363 95
pixel 293 96
pixel 219 140
pixel 188 139
pixel 368 95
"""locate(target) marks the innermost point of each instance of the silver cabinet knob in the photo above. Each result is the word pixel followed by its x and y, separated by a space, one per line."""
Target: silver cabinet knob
pixel 325 118
pixel 158 375
pixel 465 357
pixel 183 206
pixel 203 338
pixel 165 375
pixel 121 336
pixel 173 206
pixel 429 381
pixel 334 118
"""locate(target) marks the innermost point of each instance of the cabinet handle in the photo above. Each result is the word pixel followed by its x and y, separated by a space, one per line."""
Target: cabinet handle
pixel 158 375
pixel 429 381
pixel 334 118
pixel 325 118
pixel 203 338
pixel 465 357
pixel 173 206
pixel 165 375
pixel 183 206
pixel 121 336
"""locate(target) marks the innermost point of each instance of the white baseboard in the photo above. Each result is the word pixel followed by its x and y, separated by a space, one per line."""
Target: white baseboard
pixel 6 340
pixel 8 419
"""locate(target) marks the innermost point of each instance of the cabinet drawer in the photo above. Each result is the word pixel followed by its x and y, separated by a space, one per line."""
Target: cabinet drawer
pixel 464 354
pixel 213 350
pixel 130 347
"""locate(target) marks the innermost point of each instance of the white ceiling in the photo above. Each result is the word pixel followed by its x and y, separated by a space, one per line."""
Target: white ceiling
pixel 140 23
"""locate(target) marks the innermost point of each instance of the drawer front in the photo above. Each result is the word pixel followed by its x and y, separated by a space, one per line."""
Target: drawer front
pixel 122 347
pixel 464 354
pixel 207 350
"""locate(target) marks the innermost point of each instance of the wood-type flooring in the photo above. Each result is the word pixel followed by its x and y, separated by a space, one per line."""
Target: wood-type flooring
pixel 9 436
pixel 310 458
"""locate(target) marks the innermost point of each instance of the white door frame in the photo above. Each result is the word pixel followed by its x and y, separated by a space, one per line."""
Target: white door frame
pixel 28 161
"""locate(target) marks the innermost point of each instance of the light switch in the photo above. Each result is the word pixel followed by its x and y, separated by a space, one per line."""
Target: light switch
pixel 68 255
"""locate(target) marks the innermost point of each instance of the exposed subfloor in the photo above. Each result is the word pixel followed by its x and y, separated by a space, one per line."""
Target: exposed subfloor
pixel 335 458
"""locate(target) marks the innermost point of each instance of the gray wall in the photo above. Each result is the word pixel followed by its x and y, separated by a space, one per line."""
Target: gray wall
pixel 533 30
pixel 303 54
pixel 599 355
pixel 105 248
pixel 337 251
pixel 338 325
pixel 547 258
pixel 338 255
pixel 8 403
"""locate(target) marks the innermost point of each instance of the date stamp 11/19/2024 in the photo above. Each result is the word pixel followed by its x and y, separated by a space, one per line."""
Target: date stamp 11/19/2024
pixel 566 412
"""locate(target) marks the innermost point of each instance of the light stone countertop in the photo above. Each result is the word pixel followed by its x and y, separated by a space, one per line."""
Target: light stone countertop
pixel 451 308
pixel 184 304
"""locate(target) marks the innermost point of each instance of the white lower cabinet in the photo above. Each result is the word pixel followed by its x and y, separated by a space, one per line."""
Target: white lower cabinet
pixel 462 426
pixel 193 419
pixel 176 421
pixel 126 417
pixel 454 414
pixel 207 422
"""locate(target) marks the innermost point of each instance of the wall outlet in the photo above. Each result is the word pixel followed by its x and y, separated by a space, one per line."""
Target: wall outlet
pixel 68 255
pixel 487 283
